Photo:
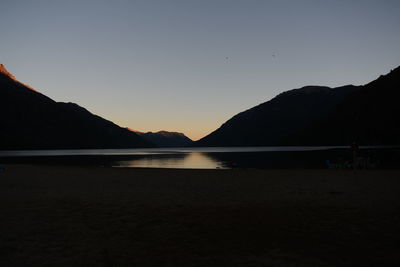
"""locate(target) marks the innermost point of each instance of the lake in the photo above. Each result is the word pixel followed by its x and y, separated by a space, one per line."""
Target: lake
pixel 209 157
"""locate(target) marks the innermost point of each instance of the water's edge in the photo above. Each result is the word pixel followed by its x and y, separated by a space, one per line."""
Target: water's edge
pixel 214 157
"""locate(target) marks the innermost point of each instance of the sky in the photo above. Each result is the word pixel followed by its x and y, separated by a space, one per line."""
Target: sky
pixel 188 66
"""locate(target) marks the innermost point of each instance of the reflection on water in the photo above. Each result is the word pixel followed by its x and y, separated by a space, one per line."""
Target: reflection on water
pixel 209 158
pixel 193 160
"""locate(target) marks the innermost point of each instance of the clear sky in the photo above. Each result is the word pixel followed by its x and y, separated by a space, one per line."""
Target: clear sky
pixel 186 65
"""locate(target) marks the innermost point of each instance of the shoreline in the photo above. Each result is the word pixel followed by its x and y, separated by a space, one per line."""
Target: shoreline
pixel 340 158
pixel 90 215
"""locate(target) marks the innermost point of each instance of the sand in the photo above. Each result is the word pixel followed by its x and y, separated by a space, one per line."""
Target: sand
pixel 93 216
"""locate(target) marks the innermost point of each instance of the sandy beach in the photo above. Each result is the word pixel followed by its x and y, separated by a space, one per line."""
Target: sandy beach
pixel 94 216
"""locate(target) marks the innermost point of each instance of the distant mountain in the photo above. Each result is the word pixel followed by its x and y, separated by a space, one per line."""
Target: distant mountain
pixel 315 115
pixel 31 120
pixel 167 139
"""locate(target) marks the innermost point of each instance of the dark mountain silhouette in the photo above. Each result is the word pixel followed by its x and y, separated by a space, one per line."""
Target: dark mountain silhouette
pixel 31 120
pixel 167 139
pixel 370 116
pixel 316 115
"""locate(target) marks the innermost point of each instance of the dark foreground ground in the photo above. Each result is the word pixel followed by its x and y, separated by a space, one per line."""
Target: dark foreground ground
pixel 93 216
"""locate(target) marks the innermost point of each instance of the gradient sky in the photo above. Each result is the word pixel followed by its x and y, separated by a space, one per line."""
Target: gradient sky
pixel 188 66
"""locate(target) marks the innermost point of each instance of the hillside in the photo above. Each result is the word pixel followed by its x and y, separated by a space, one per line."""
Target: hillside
pixel 167 139
pixel 316 115
pixel 31 120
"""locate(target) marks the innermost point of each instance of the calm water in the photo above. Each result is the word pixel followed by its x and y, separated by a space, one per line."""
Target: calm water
pixel 193 158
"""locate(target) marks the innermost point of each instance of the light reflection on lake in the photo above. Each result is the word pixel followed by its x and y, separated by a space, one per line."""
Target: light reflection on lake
pixel 193 160
pixel 206 157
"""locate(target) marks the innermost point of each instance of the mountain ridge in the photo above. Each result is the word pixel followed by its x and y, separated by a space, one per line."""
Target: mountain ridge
pixel 305 116
pixel 54 125
pixel 4 71
pixel 167 139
